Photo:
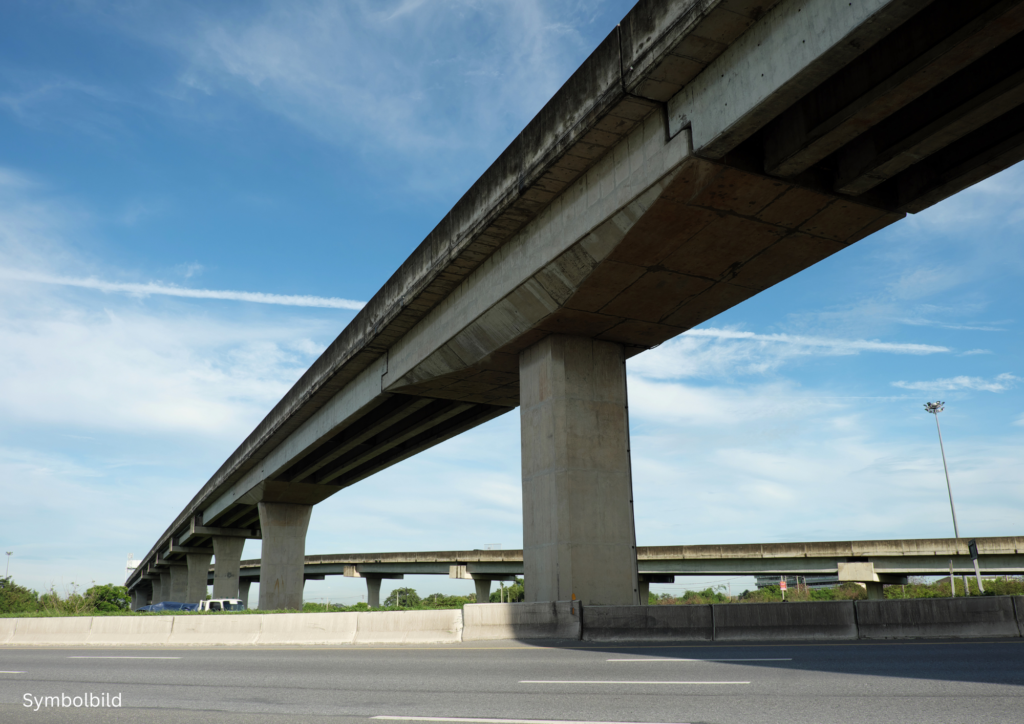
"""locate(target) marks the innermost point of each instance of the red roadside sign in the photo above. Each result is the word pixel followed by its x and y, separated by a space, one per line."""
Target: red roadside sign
pixel 782 584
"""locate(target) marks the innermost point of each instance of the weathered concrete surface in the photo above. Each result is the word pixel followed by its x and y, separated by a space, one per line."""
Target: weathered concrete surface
pixel 120 631
pixel 227 554
pixel 937 618
pixel 547 620
pixel 304 629
pixel 284 549
pixel 69 630
pixel 224 630
pixel 198 568
pixel 578 538
pixel 647 623
pixel 243 591
pixel 7 626
pixel 408 627
pixel 483 590
pixel 178 577
pixel 164 587
pixel 817 621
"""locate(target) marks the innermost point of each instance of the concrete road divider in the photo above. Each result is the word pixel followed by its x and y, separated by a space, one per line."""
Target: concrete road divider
pixel 408 627
pixel 62 631
pixel 492 621
pixel 7 626
pixel 224 630
pixel 647 623
pixel 1018 607
pixel 115 630
pixel 814 621
pixel 937 618
pixel 308 628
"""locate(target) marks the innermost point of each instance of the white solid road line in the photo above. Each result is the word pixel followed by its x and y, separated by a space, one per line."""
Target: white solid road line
pixel 466 720
pixel 699 659
pixel 12 672
pixel 635 682
pixel 124 657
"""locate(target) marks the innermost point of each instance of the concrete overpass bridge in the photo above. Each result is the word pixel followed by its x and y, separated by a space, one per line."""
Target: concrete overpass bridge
pixel 705 151
pixel 873 563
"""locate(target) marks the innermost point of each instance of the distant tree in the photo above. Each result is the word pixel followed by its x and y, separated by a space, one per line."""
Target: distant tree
pixel 108 598
pixel 402 597
pixel 515 593
pixel 441 600
pixel 17 599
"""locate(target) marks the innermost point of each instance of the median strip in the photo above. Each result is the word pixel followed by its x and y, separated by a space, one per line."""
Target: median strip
pixel 698 660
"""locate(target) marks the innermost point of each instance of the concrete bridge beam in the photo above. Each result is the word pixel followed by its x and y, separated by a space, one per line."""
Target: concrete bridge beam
pixel 198 570
pixel 578 536
pixel 227 553
pixel 284 552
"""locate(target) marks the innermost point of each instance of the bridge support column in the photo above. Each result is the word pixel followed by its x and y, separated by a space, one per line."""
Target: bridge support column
pixel 243 591
pixel 179 583
pixel 198 574
pixel 282 564
pixel 373 592
pixel 876 591
pixel 162 588
pixel 227 554
pixel 578 537
pixel 483 590
pixel 644 587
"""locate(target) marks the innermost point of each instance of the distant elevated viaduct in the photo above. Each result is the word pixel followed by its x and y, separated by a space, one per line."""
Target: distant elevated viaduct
pixel 705 151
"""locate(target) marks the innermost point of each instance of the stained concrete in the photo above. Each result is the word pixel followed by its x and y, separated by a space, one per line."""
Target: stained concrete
pixel 578 537
pixel 284 528
pixel 243 591
pixel 198 572
pixel 178 583
pixel 227 552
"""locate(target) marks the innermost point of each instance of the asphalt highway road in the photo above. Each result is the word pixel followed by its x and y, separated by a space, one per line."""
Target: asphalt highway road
pixel 893 682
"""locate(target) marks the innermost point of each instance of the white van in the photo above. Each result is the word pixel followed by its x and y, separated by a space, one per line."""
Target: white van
pixel 222 604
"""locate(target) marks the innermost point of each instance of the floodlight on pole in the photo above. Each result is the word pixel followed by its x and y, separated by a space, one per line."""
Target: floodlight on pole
pixel 8 570
pixel 935 408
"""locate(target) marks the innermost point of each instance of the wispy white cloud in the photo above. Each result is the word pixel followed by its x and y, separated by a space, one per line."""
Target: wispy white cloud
pixel 971 352
pixel 709 352
pixel 171 290
pixel 1001 383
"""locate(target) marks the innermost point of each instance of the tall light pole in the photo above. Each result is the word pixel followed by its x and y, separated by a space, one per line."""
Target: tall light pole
pixel 935 408
pixel 6 572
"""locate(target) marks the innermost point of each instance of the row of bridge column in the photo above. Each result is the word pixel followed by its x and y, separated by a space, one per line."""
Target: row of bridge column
pixel 578 534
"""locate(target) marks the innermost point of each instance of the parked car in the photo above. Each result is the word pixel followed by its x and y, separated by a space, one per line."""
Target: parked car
pixel 221 604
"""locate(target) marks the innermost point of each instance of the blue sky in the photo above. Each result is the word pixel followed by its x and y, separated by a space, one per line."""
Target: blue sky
pixel 192 196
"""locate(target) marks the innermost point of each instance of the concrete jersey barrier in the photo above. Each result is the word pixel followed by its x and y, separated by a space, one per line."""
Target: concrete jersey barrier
pixel 815 621
pixel 117 630
pixel 989 616
pixel 408 627
pixel 938 618
pixel 299 629
pixel 647 623
pixel 494 621
pixel 222 630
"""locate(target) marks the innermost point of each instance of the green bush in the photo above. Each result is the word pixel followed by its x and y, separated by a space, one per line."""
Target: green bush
pixel 108 598
pixel 17 599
